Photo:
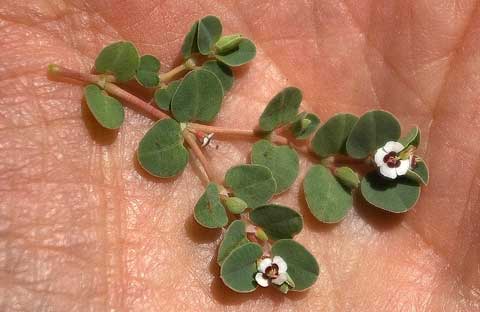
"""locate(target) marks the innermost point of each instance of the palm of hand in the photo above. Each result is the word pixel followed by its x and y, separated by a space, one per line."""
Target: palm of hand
pixel 83 228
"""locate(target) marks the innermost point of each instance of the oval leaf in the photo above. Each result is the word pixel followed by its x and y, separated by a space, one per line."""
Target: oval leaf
pixel 397 195
pixel 189 45
pixel 331 137
pixel 209 31
pixel 198 97
pixel 281 160
pixel 222 71
pixel 242 54
pixel 252 183
pixel 147 71
pixel 301 265
pixel 240 266
pixel 120 59
pixel 347 177
pixel 234 237
pixel 209 211
pixel 107 110
pixel 277 221
pixel 420 173
pixel 328 200
pixel 412 137
pixel 281 109
pixel 161 152
pixel 304 125
pixel 163 96
pixel 372 131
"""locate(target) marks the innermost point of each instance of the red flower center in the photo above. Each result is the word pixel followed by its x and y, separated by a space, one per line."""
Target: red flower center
pixel 391 160
pixel 271 271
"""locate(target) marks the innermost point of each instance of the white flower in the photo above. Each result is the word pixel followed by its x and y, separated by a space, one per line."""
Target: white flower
pixel 274 271
pixel 391 161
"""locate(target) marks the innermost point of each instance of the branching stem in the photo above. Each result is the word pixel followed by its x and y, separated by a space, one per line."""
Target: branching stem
pixel 197 151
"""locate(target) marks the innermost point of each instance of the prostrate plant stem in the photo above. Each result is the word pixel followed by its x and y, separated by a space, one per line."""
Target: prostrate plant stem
pixel 197 151
pixel 103 82
pixel 226 131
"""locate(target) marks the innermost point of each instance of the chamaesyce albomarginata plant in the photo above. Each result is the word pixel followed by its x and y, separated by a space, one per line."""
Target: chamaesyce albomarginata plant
pixel 257 247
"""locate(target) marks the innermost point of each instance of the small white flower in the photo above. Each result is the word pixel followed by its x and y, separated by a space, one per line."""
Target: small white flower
pixel 271 270
pixel 391 162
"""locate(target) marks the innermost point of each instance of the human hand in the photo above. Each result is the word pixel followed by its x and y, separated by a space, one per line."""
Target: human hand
pixel 83 228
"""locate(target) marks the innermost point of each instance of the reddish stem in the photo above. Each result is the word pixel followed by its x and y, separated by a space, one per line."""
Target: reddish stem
pixel 220 130
pixel 192 142
pixel 105 82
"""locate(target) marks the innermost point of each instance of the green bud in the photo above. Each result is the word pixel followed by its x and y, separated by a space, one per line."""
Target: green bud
pixel 289 281
pixel 261 235
pixel 227 43
pixel 283 288
pixel 305 123
pixel 235 205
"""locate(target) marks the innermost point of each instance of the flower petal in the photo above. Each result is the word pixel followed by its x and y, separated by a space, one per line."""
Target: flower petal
pixel 282 278
pixel 404 166
pixel 282 265
pixel 379 155
pixel 261 280
pixel 392 146
pixel 388 172
pixel 264 264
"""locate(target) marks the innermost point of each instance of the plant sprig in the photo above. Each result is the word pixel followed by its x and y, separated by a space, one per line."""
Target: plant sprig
pixel 258 246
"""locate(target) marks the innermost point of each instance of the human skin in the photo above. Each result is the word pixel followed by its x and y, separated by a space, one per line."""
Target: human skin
pixel 83 228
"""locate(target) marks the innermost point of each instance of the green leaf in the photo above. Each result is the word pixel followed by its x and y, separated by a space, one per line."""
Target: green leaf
pixel 222 71
pixel 147 71
pixel 189 45
pixel 252 183
pixel 304 125
pixel 242 54
pixel 281 160
pixel 228 43
pixel 209 31
pixel 209 211
pixel 347 177
pixel 277 221
pixel 331 137
pixel 302 266
pixel 234 237
pixel 163 96
pixel 120 59
pixel 420 173
pixel 398 195
pixel 235 205
pixel 412 137
pixel 161 152
pixel 107 110
pixel 281 109
pixel 198 97
pixel 328 200
pixel 372 131
pixel 239 268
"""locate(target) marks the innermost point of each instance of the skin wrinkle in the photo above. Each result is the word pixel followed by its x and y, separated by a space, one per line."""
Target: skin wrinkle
pixel 385 60
pixel 286 303
pixel 451 62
